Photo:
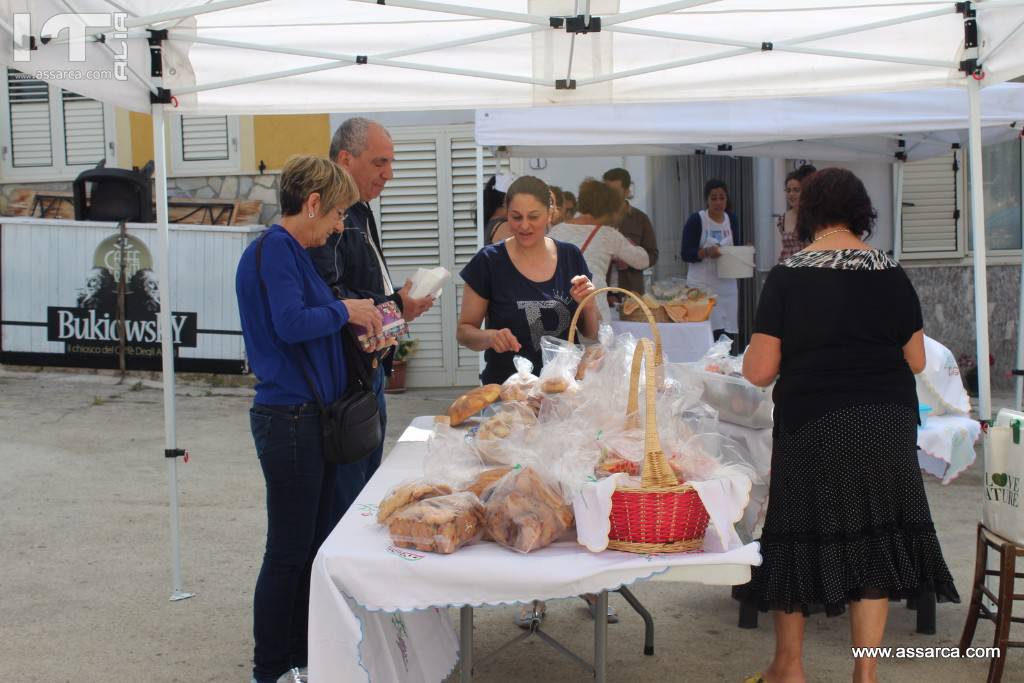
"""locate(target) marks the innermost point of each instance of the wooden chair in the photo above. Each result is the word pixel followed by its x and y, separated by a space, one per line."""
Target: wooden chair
pixel 1003 616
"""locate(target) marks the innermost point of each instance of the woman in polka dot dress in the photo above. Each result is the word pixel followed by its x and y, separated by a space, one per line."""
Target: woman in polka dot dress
pixel 848 522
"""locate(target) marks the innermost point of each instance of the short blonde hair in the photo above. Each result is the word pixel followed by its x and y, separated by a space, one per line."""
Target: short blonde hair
pixel 303 175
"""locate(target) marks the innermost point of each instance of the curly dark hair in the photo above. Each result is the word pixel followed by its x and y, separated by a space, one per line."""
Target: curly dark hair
pixel 801 173
pixel 834 196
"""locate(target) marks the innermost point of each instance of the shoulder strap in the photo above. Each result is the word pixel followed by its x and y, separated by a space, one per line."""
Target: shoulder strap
pixel 298 357
pixel 590 238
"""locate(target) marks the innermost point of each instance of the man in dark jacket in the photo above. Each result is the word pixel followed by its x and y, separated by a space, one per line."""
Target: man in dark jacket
pixel 637 228
pixel 352 262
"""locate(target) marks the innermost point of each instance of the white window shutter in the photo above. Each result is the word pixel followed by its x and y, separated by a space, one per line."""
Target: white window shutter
pixel 85 137
pixel 205 138
pixel 31 133
pixel 465 219
pixel 410 234
pixel 932 207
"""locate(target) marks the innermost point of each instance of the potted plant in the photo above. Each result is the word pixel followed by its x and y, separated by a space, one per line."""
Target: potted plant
pixel 405 349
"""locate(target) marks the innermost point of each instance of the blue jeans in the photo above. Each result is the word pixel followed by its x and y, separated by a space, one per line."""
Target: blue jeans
pixel 302 509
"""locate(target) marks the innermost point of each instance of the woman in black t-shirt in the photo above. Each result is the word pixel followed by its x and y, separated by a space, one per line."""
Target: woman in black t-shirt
pixel 848 522
pixel 524 287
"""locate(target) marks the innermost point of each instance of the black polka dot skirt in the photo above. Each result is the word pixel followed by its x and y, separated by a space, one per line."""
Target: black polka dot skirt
pixel 847 516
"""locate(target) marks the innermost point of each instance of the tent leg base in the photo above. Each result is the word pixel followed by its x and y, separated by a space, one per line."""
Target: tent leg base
pixel 181 595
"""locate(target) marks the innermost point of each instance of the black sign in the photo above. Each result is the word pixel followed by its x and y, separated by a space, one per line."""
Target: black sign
pixel 90 331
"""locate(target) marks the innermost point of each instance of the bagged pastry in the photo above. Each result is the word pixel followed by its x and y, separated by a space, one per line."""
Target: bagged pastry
pixel 523 385
pixel 452 457
pixel 438 525
pixel 406 494
pixel 499 439
pixel 486 480
pixel 561 360
pixel 526 513
pixel 472 402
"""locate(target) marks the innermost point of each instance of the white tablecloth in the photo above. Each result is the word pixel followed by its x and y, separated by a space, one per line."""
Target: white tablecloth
pixel 946 445
pixel 683 342
pixel 374 609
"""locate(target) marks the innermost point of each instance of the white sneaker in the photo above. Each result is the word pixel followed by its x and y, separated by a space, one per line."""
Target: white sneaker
pixel 296 675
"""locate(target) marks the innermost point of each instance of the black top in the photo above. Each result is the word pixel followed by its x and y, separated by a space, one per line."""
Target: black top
pixel 843 317
pixel 530 310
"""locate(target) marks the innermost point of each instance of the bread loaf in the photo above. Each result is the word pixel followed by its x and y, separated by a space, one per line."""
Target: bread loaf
pixel 407 494
pixel 486 480
pixel 472 402
pixel 440 525
pixel 525 513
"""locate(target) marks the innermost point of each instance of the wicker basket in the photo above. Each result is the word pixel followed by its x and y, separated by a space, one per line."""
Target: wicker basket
pixel 644 312
pixel 661 515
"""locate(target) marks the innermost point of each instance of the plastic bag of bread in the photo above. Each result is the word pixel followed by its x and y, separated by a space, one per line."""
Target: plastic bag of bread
pixel 561 359
pixel 408 493
pixel 472 402
pixel 595 354
pixel 525 512
pixel 452 457
pixel 485 482
pixel 438 525
pixel 499 438
pixel 523 386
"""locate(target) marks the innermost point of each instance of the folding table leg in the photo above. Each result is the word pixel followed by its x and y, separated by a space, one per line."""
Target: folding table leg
pixel 645 615
pixel 466 644
pixel 601 637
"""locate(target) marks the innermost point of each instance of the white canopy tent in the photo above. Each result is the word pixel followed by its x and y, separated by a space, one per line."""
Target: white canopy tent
pixel 290 56
pixel 882 127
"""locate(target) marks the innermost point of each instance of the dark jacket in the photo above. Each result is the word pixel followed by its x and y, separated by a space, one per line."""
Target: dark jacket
pixel 348 264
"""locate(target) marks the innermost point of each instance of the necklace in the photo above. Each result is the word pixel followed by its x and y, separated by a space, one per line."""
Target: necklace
pixel 830 232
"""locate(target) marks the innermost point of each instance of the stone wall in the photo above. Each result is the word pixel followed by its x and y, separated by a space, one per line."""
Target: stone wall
pixel 947 300
pixel 262 187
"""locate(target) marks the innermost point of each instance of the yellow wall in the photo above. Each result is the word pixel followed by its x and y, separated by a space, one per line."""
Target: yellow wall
pixel 280 136
pixel 276 137
pixel 142 138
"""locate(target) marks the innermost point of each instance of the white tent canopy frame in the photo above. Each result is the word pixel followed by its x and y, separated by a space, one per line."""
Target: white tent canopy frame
pixel 281 56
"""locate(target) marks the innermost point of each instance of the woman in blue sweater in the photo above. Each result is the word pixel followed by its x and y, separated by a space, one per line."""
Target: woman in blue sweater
pixel 288 314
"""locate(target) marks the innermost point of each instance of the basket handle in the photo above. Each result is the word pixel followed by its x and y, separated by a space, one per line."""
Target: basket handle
pixel 657 472
pixel 658 354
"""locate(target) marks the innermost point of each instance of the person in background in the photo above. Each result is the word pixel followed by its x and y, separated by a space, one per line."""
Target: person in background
pixel 704 232
pixel 787 222
pixel 570 204
pixel 494 208
pixel 557 204
pixel 591 230
pixel 524 288
pixel 289 314
pixel 848 523
pixel 352 262
pixel 637 228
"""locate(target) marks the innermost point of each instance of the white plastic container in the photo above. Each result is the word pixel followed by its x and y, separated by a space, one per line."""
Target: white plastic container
pixel 736 261
pixel 737 400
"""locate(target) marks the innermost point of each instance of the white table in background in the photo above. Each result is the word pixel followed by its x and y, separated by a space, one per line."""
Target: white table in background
pixel 378 612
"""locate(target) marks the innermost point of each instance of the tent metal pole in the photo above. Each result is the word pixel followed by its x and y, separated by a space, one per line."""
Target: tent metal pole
pixel 481 239
pixel 1019 379
pixel 974 150
pixel 186 37
pixel 668 65
pixel 614 19
pixel 897 210
pixel 339 64
pixel 149 20
pixel 950 9
pixel 1002 43
pixel 481 13
pixel 163 275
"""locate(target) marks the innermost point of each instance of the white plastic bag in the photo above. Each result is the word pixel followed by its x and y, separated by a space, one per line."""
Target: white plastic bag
pixel 939 385
pixel 1004 472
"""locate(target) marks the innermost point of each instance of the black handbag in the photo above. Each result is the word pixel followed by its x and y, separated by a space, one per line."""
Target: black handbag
pixel 350 427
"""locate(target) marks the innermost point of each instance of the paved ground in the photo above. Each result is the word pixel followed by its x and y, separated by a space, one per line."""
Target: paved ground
pixel 86 578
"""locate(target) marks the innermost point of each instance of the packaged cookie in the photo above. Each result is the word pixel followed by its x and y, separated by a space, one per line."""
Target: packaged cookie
pixel 406 494
pixel 526 513
pixel 438 525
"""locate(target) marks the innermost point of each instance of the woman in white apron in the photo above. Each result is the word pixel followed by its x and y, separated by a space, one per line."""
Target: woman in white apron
pixel 705 231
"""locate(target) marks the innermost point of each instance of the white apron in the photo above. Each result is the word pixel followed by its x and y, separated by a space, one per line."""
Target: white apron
pixel 725 315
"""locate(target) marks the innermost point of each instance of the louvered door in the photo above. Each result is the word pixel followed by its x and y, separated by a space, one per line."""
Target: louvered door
pixel 932 207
